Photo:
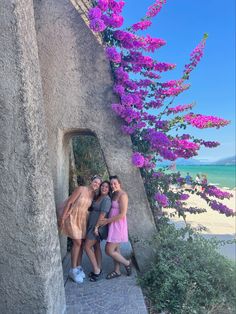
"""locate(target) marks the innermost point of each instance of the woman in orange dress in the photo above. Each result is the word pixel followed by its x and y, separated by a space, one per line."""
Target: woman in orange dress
pixel 73 223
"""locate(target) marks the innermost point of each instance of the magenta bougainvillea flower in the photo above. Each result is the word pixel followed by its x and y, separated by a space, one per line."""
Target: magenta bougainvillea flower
pixel 201 121
pixel 95 13
pixel 113 55
pixel 141 25
pixel 97 25
pixel 162 199
pixel 138 160
pixel 103 4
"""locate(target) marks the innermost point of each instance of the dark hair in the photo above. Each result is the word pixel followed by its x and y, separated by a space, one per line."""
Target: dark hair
pixel 99 191
pixel 115 177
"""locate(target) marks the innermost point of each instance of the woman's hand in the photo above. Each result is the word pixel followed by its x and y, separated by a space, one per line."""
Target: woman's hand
pixel 96 231
pixel 62 219
pixel 103 221
pixel 61 222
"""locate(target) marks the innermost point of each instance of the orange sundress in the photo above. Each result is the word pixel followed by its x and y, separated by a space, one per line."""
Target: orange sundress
pixel 75 225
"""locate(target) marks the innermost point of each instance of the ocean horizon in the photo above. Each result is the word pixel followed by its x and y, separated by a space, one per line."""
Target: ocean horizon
pixel 219 175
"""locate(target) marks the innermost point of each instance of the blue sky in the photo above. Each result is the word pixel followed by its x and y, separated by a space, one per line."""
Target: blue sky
pixel 182 24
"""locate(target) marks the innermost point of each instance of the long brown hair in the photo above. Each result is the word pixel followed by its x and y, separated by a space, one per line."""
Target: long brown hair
pixel 99 191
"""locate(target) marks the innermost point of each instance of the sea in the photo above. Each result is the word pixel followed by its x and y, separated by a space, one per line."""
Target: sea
pixel 221 176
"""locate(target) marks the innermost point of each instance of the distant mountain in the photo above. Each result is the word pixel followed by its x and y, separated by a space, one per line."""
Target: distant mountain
pixel 188 162
pixel 226 161
pixel 183 162
pixel 196 162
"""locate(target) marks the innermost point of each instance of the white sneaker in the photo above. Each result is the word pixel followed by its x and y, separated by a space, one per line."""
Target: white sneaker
pixel 80 271
pixel 73 274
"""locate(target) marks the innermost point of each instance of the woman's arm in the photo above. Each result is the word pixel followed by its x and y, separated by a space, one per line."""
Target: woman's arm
pixel 101 217
pixel 70 201
pixel 123 204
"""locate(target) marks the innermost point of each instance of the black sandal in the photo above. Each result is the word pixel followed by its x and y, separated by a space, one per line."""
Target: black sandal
pixel 112 275
pixel 92 273
pixel 129 269
pixel 95 277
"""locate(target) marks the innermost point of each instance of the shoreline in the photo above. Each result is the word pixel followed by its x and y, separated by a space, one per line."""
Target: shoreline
pixel 217 225
pixel 215 222
pixel 222 176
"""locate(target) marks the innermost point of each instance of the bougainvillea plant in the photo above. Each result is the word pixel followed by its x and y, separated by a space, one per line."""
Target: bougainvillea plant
pixel 146 105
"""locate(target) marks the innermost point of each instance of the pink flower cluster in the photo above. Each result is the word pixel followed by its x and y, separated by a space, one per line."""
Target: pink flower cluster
pixel 141 25
pixel 138 160
pixel 172 91
pixel 209 144
pixel 158 175
pixel 131 41
pixel 150 74
pixel 113 55
pixel 221 208
pixel 195 57
pixel 183 197
pixel 171 83
pixel 163 66
pixel 154 9
pixel 179 108
pixel 106 14
pixel 97 25
pixel 162 199
pixel 128 114
pixel 184 148
pixel 214 191
pixel 201 121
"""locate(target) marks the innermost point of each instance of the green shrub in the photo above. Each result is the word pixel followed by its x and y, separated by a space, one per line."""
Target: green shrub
pixel 89 158
pixel 188 275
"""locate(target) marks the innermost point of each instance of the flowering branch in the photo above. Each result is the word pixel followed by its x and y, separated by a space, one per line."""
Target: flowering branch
pixel 142 95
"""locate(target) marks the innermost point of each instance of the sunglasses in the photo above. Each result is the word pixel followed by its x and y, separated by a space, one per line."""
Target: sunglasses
pixel 96 177
pixel 113 177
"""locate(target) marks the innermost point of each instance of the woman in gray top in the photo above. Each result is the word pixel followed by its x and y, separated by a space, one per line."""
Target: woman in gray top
pixel 100 209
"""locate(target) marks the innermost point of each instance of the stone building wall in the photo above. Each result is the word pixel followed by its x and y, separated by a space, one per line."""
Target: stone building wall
pixel 55 83
pixel 30 264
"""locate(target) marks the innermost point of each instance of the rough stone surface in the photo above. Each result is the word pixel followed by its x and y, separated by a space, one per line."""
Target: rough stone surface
pixel 77 90
pixel 30 266
pixel 118 295
pixel 55 83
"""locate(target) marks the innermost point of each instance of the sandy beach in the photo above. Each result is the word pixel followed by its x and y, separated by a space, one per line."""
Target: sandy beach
pixel 218 225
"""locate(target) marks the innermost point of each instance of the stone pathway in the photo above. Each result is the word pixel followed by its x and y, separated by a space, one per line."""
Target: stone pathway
pixel 119 295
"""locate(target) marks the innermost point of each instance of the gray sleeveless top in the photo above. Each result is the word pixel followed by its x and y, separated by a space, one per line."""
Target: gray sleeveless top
pixel 103 205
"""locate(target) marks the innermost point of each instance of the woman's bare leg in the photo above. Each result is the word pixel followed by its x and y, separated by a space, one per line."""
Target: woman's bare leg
pixel 75 252
pixel 98 254
pixel 111 250
pixel 79 261
pixel 117 264
pixel 89 244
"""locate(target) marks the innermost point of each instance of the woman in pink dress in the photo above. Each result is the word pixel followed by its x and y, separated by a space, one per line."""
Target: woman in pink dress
pixel 117 230
pixel 73 223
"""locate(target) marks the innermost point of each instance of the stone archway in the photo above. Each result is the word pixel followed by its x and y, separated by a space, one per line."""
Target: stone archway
pixel 77 92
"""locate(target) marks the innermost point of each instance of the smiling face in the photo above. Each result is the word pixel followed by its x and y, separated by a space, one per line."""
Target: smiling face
pixel 115 185
pixel 105 188
pixel 95 184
